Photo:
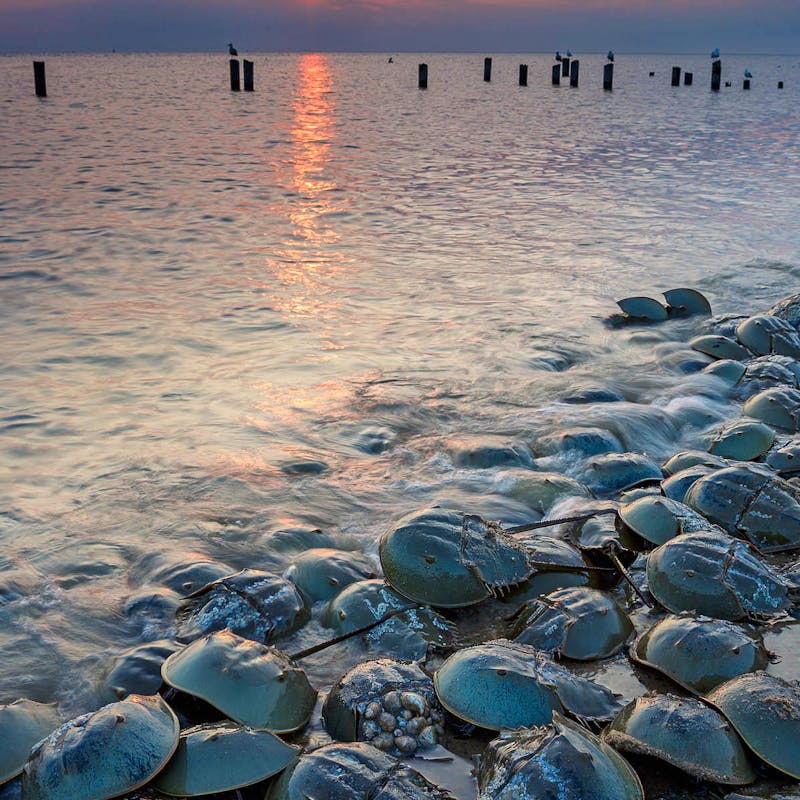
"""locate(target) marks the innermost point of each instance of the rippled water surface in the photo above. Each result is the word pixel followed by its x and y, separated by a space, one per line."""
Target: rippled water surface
pixel 229 314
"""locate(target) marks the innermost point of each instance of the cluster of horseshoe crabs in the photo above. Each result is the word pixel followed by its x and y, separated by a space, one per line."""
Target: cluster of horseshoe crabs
pixel 491 641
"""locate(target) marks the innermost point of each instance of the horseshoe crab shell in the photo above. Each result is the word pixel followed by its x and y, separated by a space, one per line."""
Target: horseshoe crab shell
pixel 614 472
pixel 255 604
pixel 222 757
pixel 686 302
pixel 389 704
pixel 676 486
pixel 643 308
pixel 539 490
pixel 699 653
pixel 778 407
pixel 765 711
pixel 106 753
pixel 691 458
pixel 765 335
pixel 658 519
pixel 578 623
pixel 253 684
pixel 23 724
pixel 743 440
pixel 321 573
pixel 715 575
pixel 352 772
pixel 785 459
pixel 684 732
pixel 720 347
pixel 727 369
pixel 751 503
pixel 504 684
pixel 559 760
pixel 449 559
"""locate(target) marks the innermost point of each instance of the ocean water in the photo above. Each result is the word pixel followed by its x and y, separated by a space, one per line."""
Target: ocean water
pixel 204 291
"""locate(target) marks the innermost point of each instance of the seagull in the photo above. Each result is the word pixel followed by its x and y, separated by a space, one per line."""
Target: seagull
pixel 569 53
pixel 232 51
pixel 715 53
pixel 559 57
pixel 748 74
pixel 610 55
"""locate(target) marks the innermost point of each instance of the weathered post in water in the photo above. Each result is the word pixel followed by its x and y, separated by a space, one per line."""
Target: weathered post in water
pixel 608 77
pixel 574 70
pixel 565 68
pixel 423 76
pixel 746 84
pixel 523 74
pixel 688 78
pixel 248 75
pixel 39 80
pixel 676 76
pixel 234 65
pixel 780 84
pixel 556 74
pixel 716 75
pixel 487 69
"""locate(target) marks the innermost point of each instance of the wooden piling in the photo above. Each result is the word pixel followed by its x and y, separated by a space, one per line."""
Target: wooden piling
pixel 716 75
pixel 652 74
pixel 523 74
pixel 423 76
pixel 608 77
pixel 676 76
pixel 39 80
pixel 248 75
pixel 780 84
pixel 574 70
pixel 556 74
pixel 234 65
pixel 746 83
pixel 565 68
pixel 487 69
pixel 688 78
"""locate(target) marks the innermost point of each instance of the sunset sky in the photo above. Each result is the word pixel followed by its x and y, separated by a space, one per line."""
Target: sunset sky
pixel 764 26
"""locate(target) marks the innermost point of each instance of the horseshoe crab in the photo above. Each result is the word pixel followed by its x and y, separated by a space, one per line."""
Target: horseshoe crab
pixel 715 575
pixel 539 490
pixel 785 459
pixel 502 684
pixel 578 623
pixel 354 771
pixel 389 704
pixel 686 302
pixel 743 440
pixel 614 472
pixel 765 711
pixel 767 372
pixel 691 458
pixel 321 573
pixel 558 761
pixel 720 347
pixel 138 670
pixel 751 503
pixel 22 724
pixel 254 604
pixel 222 757
pixel 253 684
pixel 676 486
pixel 788 309
pixel 729 370
pixel 658 519
pixel 586 441
pixel 779 407
pixel 450 559
pixel 408 635
pixel 765 335
pixel 113 750
pixel 643 308
pixel 699 653
pixel 683 732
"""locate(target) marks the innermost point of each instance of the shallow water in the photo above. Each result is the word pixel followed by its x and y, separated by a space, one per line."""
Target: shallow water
pixel 202 291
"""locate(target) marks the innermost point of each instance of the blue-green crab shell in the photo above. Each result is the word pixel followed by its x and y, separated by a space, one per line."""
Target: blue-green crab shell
pixel 487 452
pixel 676 486
pixel 502 684
pixel 557 761
pixel 579 623
pixel 751 503
pixel 614 472
pixel 321 573
pixel 658 519
pixel 258 605
pixel 354 771
pixel 779 407
pixel 764 335
pixel 253 684
pixel 22 724
pixel 686 302
pixel 691 458
pixel 138 670
pixel 113 750
pixel 684 732
pixel 785 458
pixel 221 757
pixel 767 372
pixel 643 308
pixel 765 711
pixel 788 309
pixel 449 559
pixel 729 370
pixel 585 441
pixel 743 440
pixel 407 635
pixel 720 347
pixel 386 703
pixel 700 653
pixel 717 576
pixel 186 577
pixel 539 490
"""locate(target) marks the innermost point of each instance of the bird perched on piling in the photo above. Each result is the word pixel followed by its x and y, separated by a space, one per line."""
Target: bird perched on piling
pixel 715 53
pixel 559 57
pixel 569 53
pixel 748 74
pixel 232 51
pixel 610 55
